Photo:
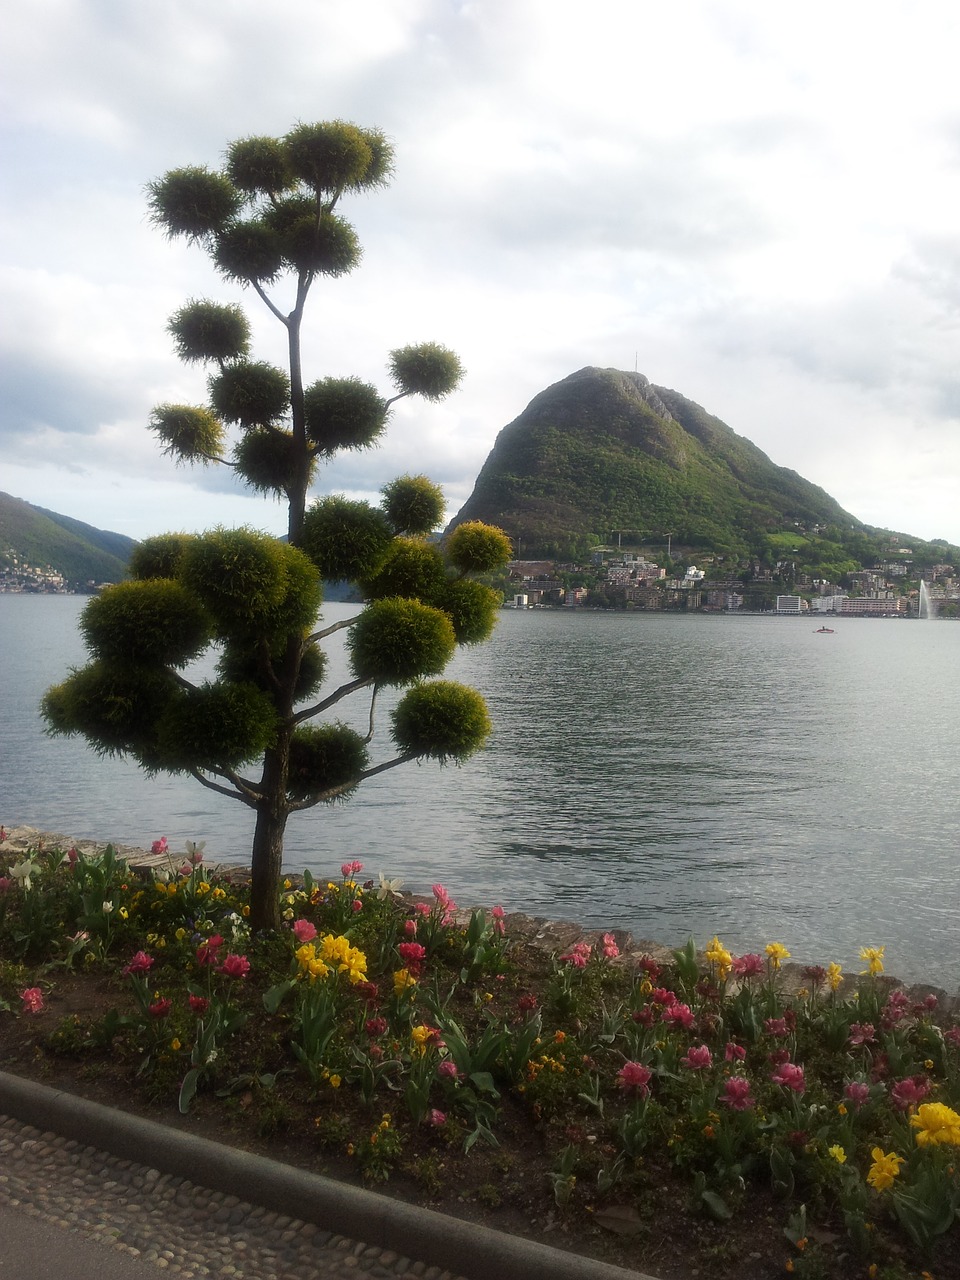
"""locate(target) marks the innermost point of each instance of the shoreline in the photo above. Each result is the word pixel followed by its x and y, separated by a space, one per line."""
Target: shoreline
pixel 537 931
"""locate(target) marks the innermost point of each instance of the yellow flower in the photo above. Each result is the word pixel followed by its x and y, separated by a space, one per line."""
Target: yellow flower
pixel 834 975
pixel 123 913
pixel 874 959
pixel 246 911
pixel 937 1125
pixel 838 1154
pixel 420 1035
pixel 884 1169
pixel 218 893
pixel 288 884
pixel 202 888
pixel 401 981
pixel 719 956
pixel 180 934
pixel 175 1044
pixel 777 952
pixel 335 1082
pixel 841 1108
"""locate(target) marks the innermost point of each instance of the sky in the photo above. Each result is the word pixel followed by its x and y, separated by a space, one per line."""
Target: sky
pixel 754 204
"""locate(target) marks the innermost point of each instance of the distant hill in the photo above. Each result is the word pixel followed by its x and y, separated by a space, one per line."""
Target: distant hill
pixel 77 550
pixel 604 451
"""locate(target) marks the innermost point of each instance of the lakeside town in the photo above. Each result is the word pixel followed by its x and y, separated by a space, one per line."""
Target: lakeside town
pixel 894 587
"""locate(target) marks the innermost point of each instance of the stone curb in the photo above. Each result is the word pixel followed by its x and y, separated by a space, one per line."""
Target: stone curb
pixel 462 1247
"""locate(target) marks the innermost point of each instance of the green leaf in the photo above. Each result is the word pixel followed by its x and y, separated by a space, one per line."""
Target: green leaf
pixel 188 1089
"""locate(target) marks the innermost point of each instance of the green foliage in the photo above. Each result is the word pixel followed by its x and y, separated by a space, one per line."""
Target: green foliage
pixel 257 665
pixel 441 719
pixel 242 576
pixel 412 568
pixel 335 156
pixel 395 641
pixel 428 369
pixel 259 166
pixel 152 622
pixel 249 251
pixel 254 394
pixel 192 202
pixel 326 245
pixel 345 539
pixel 114 707
pixel 473 609
pixel 325 758
pixel 209 331
pixel 160 556
pixel 413 505
pixel 216 726
pixel 475 547
pixel 187 433
pixel 268 460
pixel 343 413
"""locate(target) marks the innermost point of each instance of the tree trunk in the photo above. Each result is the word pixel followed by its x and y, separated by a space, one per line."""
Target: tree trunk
pixel 267 857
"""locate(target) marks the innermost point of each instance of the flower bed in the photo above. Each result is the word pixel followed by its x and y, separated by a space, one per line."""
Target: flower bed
pixel 415 1043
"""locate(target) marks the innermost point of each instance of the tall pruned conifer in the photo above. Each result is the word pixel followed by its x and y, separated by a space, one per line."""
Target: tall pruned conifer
pixel 258 731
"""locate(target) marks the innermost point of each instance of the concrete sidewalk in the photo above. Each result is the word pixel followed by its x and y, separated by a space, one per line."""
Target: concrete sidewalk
pixel 95 1194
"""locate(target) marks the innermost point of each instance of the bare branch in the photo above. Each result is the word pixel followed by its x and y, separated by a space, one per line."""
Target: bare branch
pixel 399 396
pixel 333 792
pixel 265 298
pixel 344 691
pixel 373 705
pixel 328 631
pixel 247 798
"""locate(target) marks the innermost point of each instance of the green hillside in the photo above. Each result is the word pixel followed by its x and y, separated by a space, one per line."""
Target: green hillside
pixel 604 451
pixel 77 550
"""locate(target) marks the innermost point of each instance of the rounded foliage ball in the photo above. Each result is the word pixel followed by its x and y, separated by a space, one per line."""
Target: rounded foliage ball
pixel 395 641
pixel 193 202
pixel 216 726
pixel 473 608
pixel 116 708
pixel 428 369
pixel 259 166
pixel 160 556
pixel 153 621
pixel 248 251
pixel 187 433
pixel 269 459
pixel 210 331
pixel 326 246
pixel 329 156
pixel 442 720
pixel 252 393
pixel 345 539
pixel 242 663
pixel 475 547
pixel 239 574
pixel 343 413
pixel 297 609
pixel 412 568
pixel 325 758
pixel 413 504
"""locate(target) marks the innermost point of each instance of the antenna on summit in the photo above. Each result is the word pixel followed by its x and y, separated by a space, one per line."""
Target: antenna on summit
pixel 636 367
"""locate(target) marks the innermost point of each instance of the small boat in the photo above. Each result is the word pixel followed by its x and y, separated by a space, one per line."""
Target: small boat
pixel 824 631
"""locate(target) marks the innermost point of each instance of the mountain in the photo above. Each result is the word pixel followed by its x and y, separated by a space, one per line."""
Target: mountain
pixel 603 452
pixel 77 550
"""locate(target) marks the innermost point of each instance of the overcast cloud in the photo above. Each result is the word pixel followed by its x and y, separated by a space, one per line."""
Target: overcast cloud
pixel 757 204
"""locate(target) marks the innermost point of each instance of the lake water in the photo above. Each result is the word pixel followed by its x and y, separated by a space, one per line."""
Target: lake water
pixel 668 774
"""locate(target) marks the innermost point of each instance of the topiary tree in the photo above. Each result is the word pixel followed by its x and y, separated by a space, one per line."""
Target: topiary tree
pixel 269 218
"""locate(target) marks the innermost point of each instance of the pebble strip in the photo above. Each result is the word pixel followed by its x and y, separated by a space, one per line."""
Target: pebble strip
pixel 183 1229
